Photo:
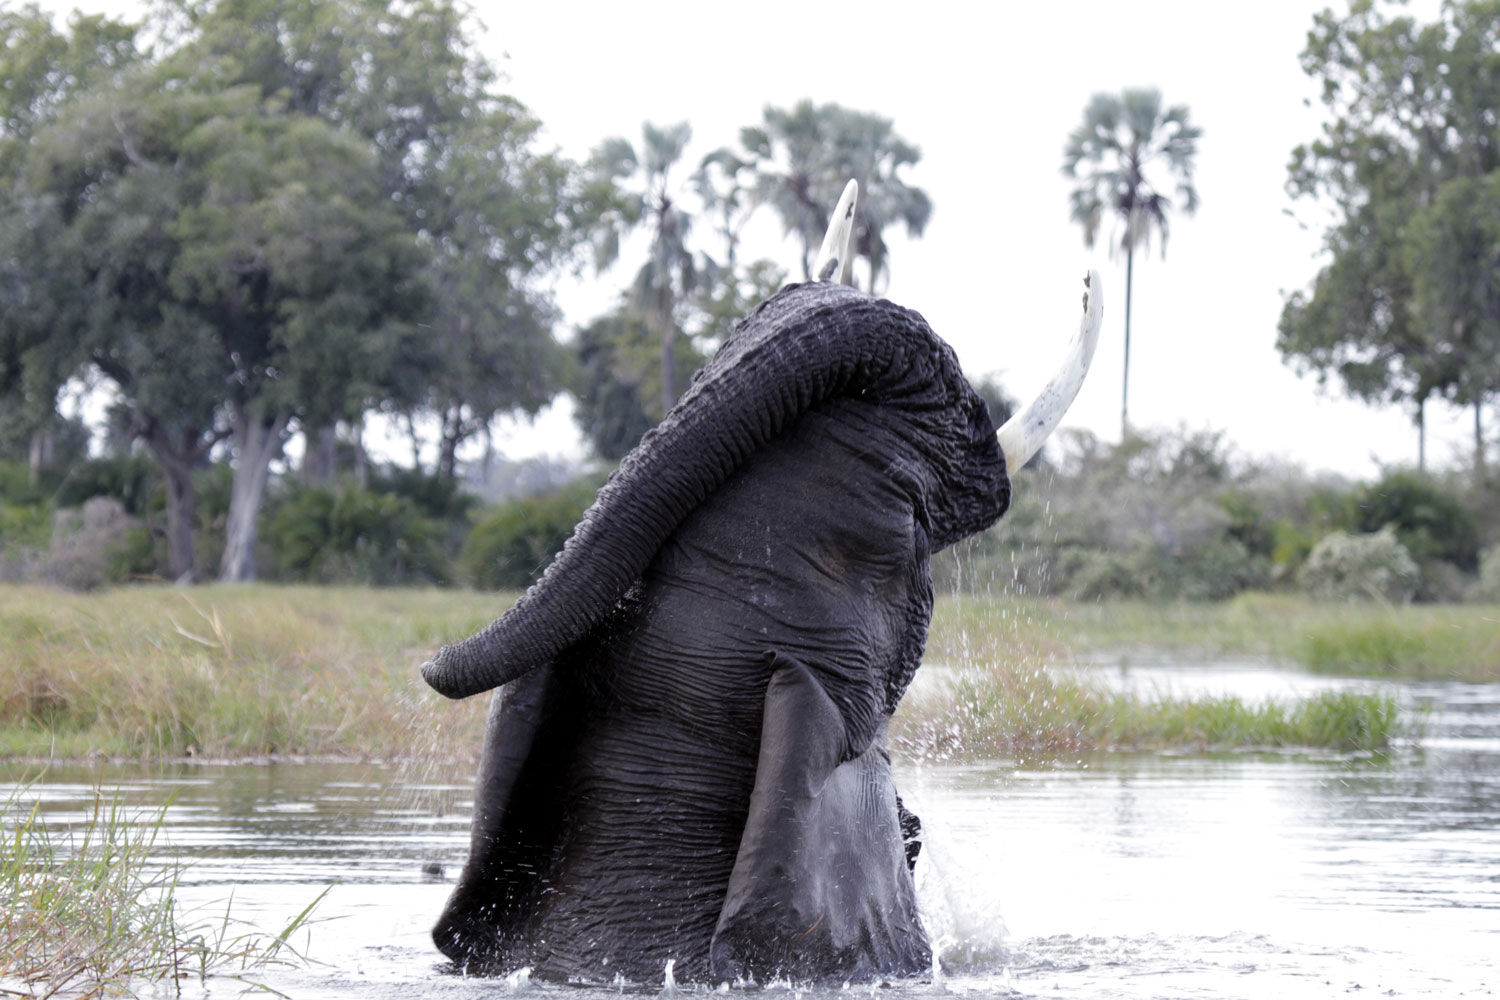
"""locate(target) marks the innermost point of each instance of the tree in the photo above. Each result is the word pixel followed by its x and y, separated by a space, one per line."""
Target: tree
pixel 647 197
pixel 1453 255
pixel 241 272
pixel 497 223
pixel 1126 152
pixel 803 157
pixel 618 388
pixel 727 291
pixel 458 162
pixel 41 69
pixel 1403 311
pixel 245 236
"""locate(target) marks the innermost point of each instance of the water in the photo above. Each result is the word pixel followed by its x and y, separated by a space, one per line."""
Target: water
pixel 1111 876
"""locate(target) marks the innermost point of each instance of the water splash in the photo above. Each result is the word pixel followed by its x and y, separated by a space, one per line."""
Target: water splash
pixel 966 929
pixel 669 981
pixel 938 947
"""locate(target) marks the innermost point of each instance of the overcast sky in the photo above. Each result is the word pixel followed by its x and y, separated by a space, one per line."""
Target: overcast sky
pixel 989 94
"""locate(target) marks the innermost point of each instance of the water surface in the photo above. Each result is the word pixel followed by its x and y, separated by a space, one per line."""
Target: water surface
pixel 1110 876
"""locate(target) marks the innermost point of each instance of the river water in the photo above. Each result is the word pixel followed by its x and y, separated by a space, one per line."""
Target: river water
pixel 1110 876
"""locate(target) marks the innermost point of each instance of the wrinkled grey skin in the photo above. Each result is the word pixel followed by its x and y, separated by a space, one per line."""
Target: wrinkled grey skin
pixel 688 759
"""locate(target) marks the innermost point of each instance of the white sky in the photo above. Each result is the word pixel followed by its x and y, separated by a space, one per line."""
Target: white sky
pixel 989 93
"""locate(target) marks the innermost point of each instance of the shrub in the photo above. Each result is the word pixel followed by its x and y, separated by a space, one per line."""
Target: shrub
pixel 1351 567
pixel 95 544
pixel 1429 521
pixel 131 479
pixel 325 535
pixel 1489 575
pixel 512 544
pixel 25 531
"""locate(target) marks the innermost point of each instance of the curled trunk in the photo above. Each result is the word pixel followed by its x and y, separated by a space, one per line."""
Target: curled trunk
pixel 804 346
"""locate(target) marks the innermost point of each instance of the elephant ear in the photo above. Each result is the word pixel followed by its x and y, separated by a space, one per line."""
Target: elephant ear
pixel 806 345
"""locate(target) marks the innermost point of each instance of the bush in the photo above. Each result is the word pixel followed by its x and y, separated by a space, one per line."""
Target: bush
pixel 1429 521
pixel 514 542
pixel 325 535
pixel 131 479
pixel 96 544
pixel 1352 567
pixel 25 531
pixel 1489 575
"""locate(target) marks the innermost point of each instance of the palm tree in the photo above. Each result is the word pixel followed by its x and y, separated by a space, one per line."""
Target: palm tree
pixel 805 156
pixel 1126 148
pixel 645 197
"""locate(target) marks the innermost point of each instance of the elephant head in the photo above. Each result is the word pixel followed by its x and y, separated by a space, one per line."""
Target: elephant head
pixel 686 756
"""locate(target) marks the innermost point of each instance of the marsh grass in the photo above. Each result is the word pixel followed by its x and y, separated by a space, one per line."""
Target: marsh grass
pixel 998 696
pixel 92 910
pixel 995 712
pixel 155 672
pixel 249 671
pixel 1458 641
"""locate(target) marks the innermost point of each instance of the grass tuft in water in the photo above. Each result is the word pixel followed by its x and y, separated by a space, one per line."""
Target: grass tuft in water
pixel 1011 712
pixel 92 910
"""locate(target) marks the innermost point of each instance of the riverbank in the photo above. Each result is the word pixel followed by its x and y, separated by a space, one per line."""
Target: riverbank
pixel 275 671
pixel 1369 639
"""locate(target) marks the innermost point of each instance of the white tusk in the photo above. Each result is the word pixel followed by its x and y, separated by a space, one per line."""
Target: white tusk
pixel 833 259
pixel 1024 433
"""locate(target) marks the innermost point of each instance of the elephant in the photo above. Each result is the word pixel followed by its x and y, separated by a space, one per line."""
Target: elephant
pixel 687 757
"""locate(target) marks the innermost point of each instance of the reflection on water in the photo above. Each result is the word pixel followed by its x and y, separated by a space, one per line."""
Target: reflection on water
pixel 1259 875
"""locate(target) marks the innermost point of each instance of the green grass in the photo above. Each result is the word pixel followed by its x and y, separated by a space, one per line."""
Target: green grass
pixel 246 671
pixel 152 672
pixel 1002 710
pixel 92 911
pixel 1369 639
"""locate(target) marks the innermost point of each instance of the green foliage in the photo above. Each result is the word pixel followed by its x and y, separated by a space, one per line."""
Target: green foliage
pixel 347 534
pixel 1123 156
pixel 803 156
pixel 15 483
pixel 437 497
pixel 619 381
pixel 276 216
pixel 1006 709
pixel 1431 522
pixel 1360 567
pixel 134 480
pixel 1115 155
pixel 25 531
pixel 95 544
pixel 1489 575
pixel 1146 518
pixel 1405 308
pixel 511 546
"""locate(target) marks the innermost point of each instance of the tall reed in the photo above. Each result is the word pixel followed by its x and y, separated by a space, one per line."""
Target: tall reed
pixel 92 910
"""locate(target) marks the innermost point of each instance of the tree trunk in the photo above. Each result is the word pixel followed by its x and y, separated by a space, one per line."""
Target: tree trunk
pixel 1125 390
pixel 1479 463
pixel 361 460
pixel 38 455
pixel 668 368
pixel 318 460
pixel 452 434
pixel 416 442
pixel 1422 434
pixel 176 459
pixel 256 441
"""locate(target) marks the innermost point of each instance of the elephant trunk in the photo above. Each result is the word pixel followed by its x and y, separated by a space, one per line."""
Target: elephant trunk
pixel 807 344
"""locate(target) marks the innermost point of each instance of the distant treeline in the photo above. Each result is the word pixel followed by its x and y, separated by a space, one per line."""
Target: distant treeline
pixel 247 224
pixel 1172 516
